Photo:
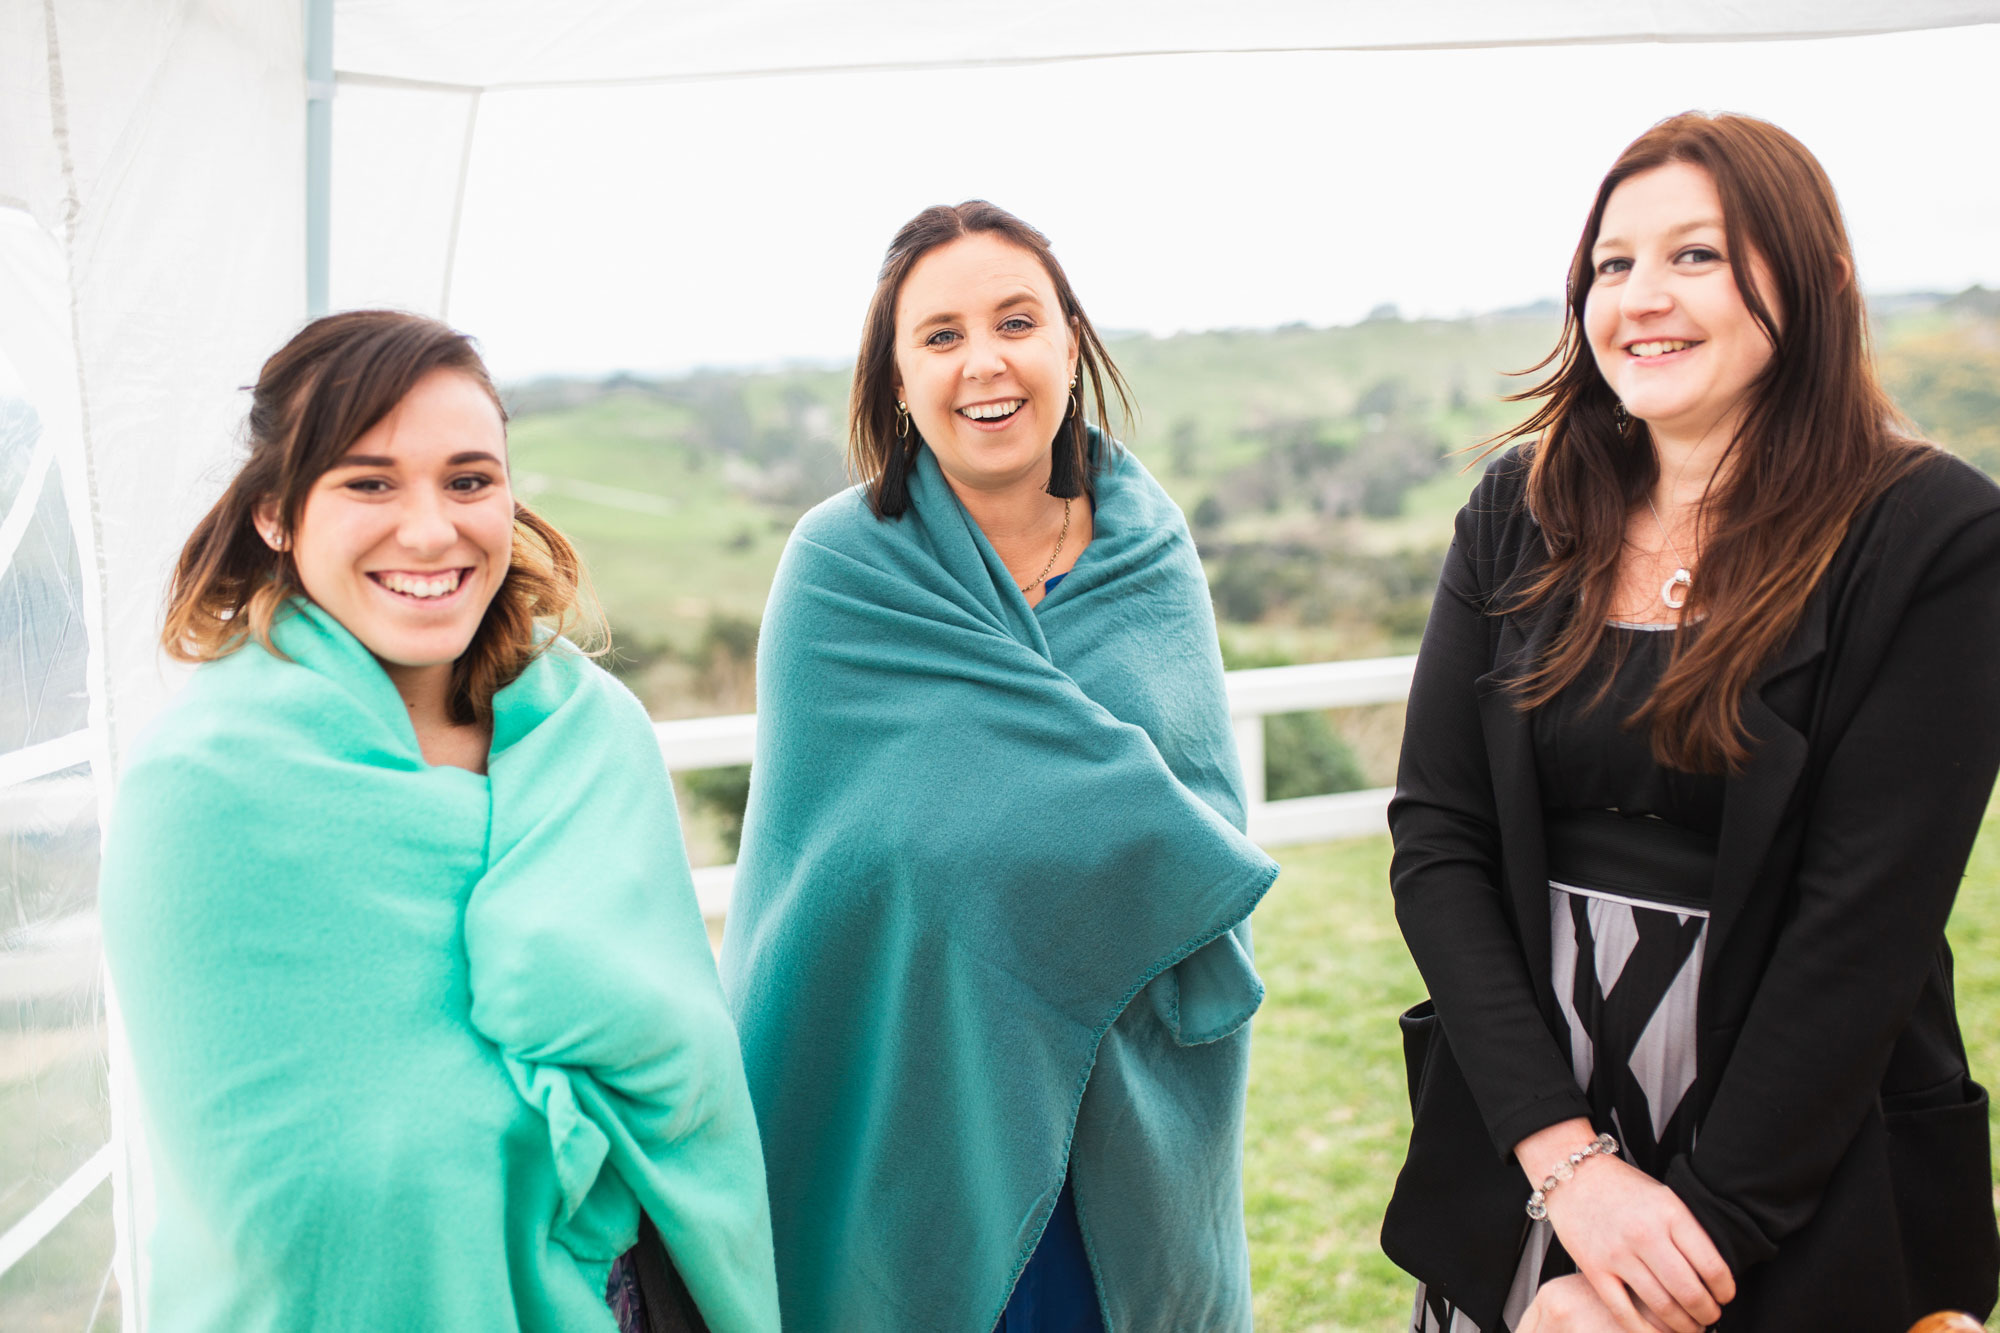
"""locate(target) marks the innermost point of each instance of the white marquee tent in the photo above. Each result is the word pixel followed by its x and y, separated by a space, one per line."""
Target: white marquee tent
pixel 174 176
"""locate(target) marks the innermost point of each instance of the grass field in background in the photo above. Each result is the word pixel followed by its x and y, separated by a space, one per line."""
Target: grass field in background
pixel 1329 1113
pixel 684 544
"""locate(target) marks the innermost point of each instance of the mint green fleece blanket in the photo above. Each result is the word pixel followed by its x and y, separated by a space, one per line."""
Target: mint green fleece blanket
pixel 416 1045
pixel 990 921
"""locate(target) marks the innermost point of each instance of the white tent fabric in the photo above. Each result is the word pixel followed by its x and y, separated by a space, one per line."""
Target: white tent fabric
pixel 514 44
pixel 153 223
pixel 151 207
pixel 412 75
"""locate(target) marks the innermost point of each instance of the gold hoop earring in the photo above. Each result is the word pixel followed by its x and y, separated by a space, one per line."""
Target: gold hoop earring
pixel 1074 406
pixel 902 420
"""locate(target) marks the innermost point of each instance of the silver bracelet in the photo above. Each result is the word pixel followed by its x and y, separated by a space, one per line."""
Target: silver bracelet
pixel 1538 1202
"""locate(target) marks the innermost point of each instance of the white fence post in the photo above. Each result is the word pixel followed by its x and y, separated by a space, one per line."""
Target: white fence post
pixel 1250 753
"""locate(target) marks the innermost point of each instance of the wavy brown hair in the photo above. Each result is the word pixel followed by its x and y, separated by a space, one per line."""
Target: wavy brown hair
pixel 1819 441
pixel 875 454
pixel 314 398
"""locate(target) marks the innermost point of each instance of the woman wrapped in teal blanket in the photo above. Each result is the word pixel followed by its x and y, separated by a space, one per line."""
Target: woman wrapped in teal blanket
pixel 989 951
pixel 420 1001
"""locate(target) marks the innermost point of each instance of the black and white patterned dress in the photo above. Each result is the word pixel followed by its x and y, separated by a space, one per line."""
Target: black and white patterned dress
pixel 1631 855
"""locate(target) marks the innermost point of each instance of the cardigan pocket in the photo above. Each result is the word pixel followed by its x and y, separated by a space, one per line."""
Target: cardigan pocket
pixel 1419 1026
pixel 1940 1166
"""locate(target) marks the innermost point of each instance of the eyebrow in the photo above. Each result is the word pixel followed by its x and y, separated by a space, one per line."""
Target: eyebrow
pixel 1678 229
pixel 1023 297
pixel 378 460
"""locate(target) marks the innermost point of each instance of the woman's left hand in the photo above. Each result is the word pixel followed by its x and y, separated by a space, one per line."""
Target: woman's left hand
pixel 1634 1240
pixel 1642 1251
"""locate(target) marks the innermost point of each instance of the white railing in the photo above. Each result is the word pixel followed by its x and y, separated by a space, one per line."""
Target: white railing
pixel 719 742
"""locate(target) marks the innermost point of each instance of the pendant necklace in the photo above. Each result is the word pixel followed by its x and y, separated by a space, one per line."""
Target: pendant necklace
pixel 1061 537
pixel 1682 580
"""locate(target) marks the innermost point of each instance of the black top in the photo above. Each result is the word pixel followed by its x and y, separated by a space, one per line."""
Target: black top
pixel 1587 758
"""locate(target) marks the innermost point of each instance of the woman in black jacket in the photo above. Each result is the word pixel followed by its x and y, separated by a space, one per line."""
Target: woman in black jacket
pixel 1703 727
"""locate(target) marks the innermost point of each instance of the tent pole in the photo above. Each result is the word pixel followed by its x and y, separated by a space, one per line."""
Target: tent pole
pixel 319 152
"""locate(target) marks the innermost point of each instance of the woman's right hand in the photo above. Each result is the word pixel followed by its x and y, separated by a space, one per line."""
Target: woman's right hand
pixel 1570 1305
pixel 1631 1237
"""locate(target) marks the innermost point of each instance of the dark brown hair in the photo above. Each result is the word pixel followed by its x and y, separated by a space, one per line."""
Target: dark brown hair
pixel 314 398
pixel 1819 440
pixel 874 453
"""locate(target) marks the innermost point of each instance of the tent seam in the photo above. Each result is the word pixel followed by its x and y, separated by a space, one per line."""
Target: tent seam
pixel 363 78
pixel 458 207
pixel 72 223
pixel 125 1262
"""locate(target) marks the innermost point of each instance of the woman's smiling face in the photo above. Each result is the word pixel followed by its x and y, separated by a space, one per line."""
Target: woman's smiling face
pixel 984 359
pixel 1664 315
pixel 408 536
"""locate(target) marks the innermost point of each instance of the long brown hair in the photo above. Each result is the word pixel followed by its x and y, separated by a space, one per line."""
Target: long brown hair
pixel 314 398
pixel 1819 440
pixel 875 454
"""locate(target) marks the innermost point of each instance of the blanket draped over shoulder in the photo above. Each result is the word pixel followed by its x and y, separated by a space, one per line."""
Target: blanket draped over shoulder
pixel 990 920
pixel 416 1045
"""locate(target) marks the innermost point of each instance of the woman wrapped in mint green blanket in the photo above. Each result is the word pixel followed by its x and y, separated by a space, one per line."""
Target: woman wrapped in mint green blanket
pixel 396 905
pixel 989 950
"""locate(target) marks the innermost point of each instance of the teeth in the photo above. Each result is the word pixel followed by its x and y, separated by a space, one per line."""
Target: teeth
pixel 411 585
pixel 1658 348
pixel 992 411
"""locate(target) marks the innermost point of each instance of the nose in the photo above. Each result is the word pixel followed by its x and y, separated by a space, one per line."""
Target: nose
pixel 983 357
pixel 1644 292
pixel 424 527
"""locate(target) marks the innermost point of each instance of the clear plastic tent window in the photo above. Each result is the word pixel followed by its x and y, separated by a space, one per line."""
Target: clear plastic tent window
pixel 54 1076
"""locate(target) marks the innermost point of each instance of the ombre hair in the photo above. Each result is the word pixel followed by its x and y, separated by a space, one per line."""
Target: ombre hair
pixel 1819 441
pixel 319 393
pixel 876 455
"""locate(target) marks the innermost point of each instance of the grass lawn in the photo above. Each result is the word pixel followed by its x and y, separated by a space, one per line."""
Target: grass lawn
pixel 1329 1114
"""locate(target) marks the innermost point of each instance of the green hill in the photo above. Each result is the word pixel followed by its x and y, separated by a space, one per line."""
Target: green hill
pixel 1319 468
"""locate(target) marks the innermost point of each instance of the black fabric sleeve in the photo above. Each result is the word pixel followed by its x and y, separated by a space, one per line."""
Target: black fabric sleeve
pixel 1446 872
pixel 1890 826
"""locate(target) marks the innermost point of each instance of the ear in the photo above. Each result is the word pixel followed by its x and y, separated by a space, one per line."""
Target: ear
pixel 1846 272
pixel 265 516
pixel 1075 337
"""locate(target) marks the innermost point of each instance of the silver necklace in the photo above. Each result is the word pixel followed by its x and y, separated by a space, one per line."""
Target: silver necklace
pixel 1061 537
pixel 1682 581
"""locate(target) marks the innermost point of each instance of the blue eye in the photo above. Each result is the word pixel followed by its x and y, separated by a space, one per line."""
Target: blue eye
pixel 940 338
pixel 1701 254
pixel 1611 266
pixel 1017 324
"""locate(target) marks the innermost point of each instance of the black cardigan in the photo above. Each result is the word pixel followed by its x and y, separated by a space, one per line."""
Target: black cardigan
pixel 1841 1165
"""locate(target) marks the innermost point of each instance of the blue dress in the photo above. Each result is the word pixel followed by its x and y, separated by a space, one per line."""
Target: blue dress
pixel 1056 1292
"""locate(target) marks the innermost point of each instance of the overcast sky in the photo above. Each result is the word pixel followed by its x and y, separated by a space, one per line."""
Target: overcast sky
pixel 740 223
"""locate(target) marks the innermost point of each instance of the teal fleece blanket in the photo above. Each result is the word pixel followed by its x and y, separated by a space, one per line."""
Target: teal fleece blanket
pixel 990 920
pixel 416 1045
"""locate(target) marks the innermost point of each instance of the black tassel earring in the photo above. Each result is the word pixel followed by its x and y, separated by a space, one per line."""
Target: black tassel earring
pixel 1066 461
